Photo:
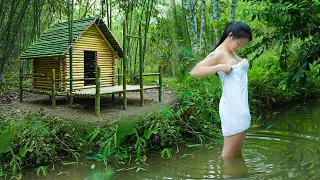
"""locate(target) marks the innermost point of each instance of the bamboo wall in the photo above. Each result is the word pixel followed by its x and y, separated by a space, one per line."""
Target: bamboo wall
pixel 90 40
pixel 42 68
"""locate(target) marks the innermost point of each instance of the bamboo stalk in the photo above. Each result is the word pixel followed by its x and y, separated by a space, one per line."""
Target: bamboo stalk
pixel 141 66
pixel 124 65
pixel 132 36
pixel 70 17
pixel 97 98
pixel 53 85
pixel 160 83
pixel 151 74
pixel 20 84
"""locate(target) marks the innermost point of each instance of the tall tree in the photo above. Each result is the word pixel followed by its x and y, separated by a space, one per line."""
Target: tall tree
pixel 174 18
pixel 192 18
pixel 215 17
pixel 203 26
pixel 233 10
pixel 185 27
pixel 175 32
pixel 10 31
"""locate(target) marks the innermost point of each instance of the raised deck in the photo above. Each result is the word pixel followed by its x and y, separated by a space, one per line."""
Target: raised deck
pixel 91 91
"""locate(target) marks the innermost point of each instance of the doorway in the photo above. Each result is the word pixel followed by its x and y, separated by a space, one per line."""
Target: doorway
pixel 90 67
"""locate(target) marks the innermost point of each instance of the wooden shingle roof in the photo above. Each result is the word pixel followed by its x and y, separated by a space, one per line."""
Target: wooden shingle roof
pixel 55 42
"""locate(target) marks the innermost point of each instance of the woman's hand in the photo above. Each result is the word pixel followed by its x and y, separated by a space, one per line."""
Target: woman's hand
pixel 224 68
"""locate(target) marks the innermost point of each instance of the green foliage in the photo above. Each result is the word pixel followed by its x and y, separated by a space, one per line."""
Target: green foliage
pixel 6 138
pixel 313 76
pixel 288 22
pixel 40 140
pixel 42 170
pixel 166 153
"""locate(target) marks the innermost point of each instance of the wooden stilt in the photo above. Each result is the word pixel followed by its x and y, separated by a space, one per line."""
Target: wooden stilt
pixel 20 84
pixel 53 82
pixel 124 65
pixel 160 83
pixel 113 98
pixel 119 79
pixel 97 97
pixel 141 66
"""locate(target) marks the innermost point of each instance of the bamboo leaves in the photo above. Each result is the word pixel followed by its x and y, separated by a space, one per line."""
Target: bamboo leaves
pixel 292 22
pixel 6 138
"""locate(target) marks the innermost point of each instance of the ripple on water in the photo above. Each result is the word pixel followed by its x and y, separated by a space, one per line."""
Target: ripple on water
pixel 266 155
pixel 282 155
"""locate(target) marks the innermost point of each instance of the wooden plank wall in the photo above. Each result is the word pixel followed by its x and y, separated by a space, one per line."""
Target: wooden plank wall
pixel 91 40
pixel 42 68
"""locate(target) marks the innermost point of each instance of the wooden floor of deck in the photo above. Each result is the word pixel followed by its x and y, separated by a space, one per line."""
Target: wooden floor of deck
pixel 92 91
pixel 112 89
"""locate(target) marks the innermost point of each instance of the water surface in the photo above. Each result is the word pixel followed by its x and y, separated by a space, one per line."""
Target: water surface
pixel 285 147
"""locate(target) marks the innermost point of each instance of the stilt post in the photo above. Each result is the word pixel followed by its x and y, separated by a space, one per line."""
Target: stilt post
pixel 97 98
pixel 124 65
pixel 160 83
pixel 53 88
pixel 20 83
pixel 70 21
pixel 119 78
pixel 141 66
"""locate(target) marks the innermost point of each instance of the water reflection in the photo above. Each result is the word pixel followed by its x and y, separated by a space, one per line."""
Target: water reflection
pixel 288 150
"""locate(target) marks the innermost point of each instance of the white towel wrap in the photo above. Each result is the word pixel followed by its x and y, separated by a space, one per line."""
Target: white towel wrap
pixel 234 108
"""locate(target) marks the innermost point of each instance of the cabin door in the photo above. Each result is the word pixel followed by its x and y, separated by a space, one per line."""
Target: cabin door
pixel 90 67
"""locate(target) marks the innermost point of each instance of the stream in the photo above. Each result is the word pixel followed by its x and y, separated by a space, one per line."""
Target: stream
pixel 285 147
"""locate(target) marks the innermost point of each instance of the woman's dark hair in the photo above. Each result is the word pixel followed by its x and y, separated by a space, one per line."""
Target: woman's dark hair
pixel 238 29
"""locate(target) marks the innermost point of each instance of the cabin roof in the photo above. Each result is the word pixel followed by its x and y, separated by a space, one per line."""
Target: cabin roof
pixel 55 42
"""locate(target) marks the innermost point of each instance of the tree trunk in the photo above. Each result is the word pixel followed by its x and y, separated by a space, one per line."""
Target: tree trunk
pixel 193 25
pixel 233 10
pixel 174 18
pixel 215 16
pixel 10 34
pixel 203 27
pixel 175 37
pixel 185 29
pixel 146 29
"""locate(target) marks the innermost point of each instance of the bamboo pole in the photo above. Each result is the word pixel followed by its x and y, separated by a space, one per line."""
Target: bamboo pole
pixel 119 79
pixel 97 98
pixel 53 88
pixel 160 83
pixel 70 16
pixel 141 66
pixel 124 65
pixel 20 84
pixel 110 15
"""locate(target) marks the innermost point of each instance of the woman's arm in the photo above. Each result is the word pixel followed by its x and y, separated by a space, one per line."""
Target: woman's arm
pixel 209 66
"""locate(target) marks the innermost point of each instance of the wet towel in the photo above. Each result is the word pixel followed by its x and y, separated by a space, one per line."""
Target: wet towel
pixel 233 108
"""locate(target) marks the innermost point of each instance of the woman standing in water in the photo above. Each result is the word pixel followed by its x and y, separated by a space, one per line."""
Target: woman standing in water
pixel 233 108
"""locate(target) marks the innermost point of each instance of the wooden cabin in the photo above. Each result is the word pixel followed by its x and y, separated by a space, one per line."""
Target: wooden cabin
pixel 93 45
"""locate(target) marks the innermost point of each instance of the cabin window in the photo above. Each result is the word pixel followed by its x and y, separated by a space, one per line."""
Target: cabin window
pixel 90 67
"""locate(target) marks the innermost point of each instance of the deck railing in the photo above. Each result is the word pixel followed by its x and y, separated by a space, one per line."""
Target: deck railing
pixel 98 79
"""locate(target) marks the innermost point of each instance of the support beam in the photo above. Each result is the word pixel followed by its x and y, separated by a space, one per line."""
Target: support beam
pixel 20 84
pixel 119 78
pixel 160 83
pixel 53 88
pixel 70 21
pixel 141 66
pixel 97 98
pixel 124 65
